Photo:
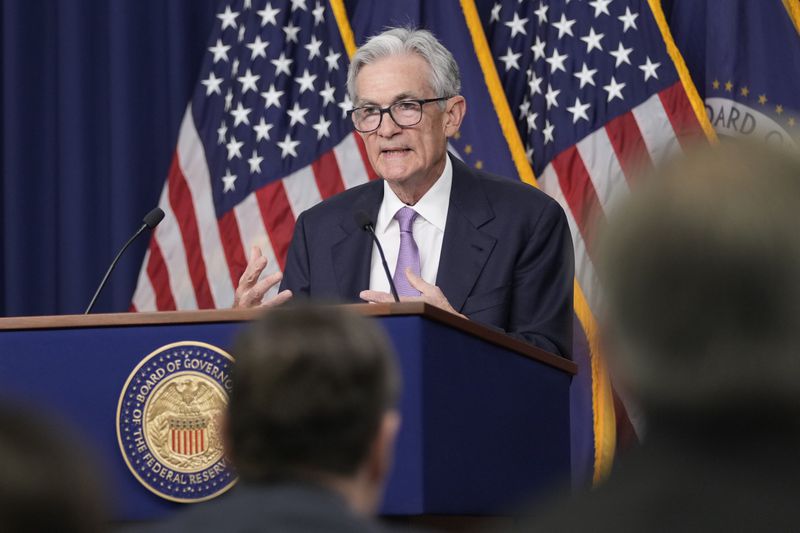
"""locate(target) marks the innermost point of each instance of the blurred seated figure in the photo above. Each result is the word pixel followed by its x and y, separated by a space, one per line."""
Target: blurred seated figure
pixel 46 481
pixel 702 276
pixel 311 426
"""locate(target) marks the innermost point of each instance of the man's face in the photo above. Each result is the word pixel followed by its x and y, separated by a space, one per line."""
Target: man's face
pixel 410 157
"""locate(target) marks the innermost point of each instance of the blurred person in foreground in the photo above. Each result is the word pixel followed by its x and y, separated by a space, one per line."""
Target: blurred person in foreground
pixel 311 425
pixel 47 482
pixel 702 273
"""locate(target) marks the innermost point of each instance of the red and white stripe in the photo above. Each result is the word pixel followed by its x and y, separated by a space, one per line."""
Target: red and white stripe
pixel 590 178
pixel 188 441
pixel 195 259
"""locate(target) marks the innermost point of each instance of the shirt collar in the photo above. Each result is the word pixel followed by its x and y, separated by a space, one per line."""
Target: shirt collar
pixel 432 206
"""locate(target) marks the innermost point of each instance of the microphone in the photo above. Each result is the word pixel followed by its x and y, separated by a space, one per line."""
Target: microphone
pixel 365 222
pixel 150 220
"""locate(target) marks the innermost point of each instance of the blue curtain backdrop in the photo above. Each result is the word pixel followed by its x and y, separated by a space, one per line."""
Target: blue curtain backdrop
pixel 92 96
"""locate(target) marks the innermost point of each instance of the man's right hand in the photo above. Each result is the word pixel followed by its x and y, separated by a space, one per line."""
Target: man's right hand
pixel 250 291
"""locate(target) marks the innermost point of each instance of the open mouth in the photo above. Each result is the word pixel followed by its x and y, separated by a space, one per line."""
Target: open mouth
pixel 390 152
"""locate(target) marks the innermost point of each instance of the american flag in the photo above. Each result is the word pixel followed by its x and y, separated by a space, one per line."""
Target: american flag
pixel 600 94
pixel 265 136
pixel 597 99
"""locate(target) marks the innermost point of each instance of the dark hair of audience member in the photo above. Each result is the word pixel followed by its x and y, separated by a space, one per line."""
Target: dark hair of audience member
pixel 310 388
pixel 702 275
pixel 46 481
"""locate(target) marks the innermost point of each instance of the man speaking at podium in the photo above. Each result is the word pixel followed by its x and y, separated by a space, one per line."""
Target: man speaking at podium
pixel 494 250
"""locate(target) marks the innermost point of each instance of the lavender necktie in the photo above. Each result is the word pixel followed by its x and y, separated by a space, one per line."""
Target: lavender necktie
pixel 408 256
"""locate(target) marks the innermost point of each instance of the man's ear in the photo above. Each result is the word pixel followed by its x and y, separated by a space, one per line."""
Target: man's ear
pixel 454 114
pixel 382 450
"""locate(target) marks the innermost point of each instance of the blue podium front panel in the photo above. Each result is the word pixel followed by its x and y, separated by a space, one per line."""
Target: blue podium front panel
pixel 482 426
pixel 78 375
pixel 496 424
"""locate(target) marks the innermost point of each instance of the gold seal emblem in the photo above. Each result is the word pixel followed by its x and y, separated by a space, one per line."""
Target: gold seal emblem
pixel 182 421
pixel 169 421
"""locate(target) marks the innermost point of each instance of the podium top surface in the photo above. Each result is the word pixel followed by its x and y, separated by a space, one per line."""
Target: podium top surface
pixel 241 315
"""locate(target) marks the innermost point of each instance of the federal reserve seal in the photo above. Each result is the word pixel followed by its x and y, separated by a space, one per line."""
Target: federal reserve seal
pixel 169 421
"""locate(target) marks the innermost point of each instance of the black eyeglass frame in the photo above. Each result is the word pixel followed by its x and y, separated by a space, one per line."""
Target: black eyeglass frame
pixel 388 110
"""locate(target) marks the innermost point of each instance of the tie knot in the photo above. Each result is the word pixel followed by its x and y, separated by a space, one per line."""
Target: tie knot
pixel 405 217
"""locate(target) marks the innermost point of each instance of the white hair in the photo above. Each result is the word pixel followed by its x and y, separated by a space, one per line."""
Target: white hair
pixel 445 77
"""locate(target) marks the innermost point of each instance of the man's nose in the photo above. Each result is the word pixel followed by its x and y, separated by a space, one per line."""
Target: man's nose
pixel 388 127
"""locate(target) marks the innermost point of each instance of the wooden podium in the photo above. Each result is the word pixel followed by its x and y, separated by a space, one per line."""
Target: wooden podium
pixel 485 417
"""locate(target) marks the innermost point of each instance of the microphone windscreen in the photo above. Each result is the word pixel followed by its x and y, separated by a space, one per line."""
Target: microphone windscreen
pixel 363 219
pixel 153 218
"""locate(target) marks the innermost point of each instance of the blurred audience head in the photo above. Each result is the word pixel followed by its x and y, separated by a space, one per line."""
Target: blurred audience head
pixel 314 399
pixel 46 481
pixel 702 273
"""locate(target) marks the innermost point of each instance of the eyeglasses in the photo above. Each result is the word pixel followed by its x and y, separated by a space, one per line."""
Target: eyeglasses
pixel 405 113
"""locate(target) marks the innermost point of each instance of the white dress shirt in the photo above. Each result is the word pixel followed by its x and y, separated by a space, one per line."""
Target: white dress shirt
pixel 428 230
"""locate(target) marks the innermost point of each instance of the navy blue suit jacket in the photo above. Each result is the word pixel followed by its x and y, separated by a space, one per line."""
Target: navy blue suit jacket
pixel 507 258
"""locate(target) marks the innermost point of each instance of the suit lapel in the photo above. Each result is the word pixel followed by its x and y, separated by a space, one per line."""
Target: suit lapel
pixel 465 248
pixel 352 254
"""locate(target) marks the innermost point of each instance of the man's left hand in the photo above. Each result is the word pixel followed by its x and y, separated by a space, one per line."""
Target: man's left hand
pixel 430 294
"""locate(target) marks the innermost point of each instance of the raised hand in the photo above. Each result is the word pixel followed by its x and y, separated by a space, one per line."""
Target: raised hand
pixel 251 291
